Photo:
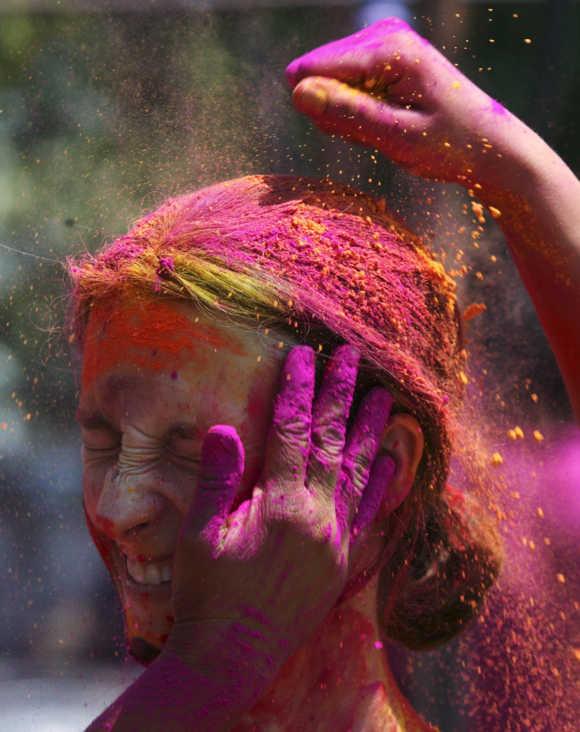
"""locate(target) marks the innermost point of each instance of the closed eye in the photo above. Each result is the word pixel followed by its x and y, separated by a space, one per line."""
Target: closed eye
pixel 98 435
pixel 184 441
pixel 101 443
pixel 100 439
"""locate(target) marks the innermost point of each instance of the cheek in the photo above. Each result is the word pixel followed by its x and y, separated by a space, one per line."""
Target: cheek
pixel 92 486
pixel 178 486
pixel 254 432
pixel 104 546
pixel 94 475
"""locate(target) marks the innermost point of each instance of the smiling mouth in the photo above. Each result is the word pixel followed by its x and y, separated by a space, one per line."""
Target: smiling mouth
pixel 138 577
pixel 149 573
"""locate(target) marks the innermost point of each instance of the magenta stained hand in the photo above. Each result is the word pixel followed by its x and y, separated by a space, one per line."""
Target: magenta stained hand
pixel 263 577
pixel 390 89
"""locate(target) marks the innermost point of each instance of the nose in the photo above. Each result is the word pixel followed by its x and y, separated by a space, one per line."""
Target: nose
pixel 127 503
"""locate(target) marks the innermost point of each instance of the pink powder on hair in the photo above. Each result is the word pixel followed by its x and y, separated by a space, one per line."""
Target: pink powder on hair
pixel 335 257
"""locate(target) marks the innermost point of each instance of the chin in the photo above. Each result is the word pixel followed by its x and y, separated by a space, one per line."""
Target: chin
pixel 145 632
pixel 143 651
pixel 148 620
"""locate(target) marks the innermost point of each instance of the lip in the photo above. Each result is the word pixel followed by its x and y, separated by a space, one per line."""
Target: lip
pixel 145 558
pixel 161 591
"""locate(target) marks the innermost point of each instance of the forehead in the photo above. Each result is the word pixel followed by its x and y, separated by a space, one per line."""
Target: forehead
pixel 128 343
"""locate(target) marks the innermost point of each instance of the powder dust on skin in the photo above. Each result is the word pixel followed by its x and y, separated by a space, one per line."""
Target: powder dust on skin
pixel 552 660
pixel 219 380
pixel 142 382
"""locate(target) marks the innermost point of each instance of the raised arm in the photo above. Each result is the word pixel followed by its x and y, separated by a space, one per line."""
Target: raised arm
pixel 388 88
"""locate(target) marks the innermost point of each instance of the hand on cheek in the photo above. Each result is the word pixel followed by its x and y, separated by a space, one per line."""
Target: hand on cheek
pixel 252 584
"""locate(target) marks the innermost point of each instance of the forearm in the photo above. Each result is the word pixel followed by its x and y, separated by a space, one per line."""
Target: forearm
pixel 540 217
pixel 202 682
pixel 421 112
pixel 170 696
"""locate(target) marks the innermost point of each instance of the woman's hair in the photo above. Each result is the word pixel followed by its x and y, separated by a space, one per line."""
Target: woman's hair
pixel 326 264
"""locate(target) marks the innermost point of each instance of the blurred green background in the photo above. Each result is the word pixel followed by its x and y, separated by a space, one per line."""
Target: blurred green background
pixel 106 109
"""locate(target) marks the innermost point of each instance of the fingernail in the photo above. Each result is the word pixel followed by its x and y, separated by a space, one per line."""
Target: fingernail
pixel 311 97
pixel 223 449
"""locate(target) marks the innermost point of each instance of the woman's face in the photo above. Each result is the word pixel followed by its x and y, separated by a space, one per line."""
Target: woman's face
pixel 156 375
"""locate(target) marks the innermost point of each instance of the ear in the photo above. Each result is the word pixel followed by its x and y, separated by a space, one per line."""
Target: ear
pixel 403 440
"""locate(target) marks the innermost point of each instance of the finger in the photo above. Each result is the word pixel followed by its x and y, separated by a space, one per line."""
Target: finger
pixel 381 477
pixel 370 53
pixel 340 109
pixel 329 419
pixel 360 452
pixel 288 442
pixel 382 473
pixel 221 470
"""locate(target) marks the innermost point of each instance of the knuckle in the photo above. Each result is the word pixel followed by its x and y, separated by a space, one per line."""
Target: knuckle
pixel 324 535
pixel 328 438
pixel 362 464
pixel 286 510
pixel 211 482
pixel 358 468
pixel 293 429
pixel 291 453
pixel 391 24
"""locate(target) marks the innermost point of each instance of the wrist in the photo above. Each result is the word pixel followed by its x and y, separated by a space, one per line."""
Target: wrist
pixel 173 696
pixel 226 653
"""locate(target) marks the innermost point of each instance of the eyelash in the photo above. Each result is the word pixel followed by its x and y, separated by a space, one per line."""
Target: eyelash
pixel 190 458
pixel 102 450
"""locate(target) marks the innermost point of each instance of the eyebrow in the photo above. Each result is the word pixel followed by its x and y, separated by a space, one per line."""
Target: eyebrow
pixel 111 389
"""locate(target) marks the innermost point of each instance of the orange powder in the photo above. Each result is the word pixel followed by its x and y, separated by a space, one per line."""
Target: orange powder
pixel 154 331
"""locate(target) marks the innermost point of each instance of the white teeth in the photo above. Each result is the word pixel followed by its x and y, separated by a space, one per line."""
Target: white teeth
pixel 150 573
pixel 136 571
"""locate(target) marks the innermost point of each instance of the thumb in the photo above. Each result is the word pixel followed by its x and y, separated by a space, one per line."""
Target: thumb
pixel 221 470
pixel 344 110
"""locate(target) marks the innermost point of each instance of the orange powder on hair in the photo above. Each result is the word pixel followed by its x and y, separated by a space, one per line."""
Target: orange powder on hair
pixel 155 333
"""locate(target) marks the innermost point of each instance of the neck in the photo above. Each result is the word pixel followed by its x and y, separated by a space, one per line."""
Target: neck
pixel 339 680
